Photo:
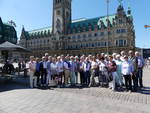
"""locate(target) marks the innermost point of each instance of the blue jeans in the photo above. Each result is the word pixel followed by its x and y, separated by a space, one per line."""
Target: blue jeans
pixel 72 77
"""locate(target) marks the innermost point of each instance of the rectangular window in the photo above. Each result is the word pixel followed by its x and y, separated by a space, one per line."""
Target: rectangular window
pixel 102 34
pixel 125 42
pixel 121 43
pixel 116 42
pixel 105 44
pixel 99 44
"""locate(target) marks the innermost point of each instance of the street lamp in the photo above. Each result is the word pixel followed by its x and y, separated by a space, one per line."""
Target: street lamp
pixel 146 26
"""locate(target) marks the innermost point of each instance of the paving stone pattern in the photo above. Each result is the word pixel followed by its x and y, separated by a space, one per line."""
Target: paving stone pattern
pixel 87 100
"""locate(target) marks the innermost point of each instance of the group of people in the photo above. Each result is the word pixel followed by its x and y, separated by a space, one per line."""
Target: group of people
pixel 124 70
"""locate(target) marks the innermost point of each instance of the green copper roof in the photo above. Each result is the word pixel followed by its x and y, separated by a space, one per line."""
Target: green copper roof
pixel 8 33
pixel 83 22
pixel 7 24
pixel 40 32
pixel 42 29
pixel 94 21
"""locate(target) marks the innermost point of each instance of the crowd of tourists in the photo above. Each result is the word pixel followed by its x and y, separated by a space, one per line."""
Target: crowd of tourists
pixel 116 71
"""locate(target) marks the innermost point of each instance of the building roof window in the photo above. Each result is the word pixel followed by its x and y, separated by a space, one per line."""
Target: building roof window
pixel 95 34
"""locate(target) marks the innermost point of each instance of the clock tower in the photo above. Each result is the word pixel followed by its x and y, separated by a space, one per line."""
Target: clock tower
pixel 61 16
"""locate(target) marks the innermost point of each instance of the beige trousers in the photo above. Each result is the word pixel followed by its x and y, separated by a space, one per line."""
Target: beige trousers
pixel 67 75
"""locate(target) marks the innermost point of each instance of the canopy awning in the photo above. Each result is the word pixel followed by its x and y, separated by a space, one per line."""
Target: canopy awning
pixel 7 46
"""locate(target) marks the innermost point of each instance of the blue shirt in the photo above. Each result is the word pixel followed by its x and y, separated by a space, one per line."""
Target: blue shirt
pixel 38 66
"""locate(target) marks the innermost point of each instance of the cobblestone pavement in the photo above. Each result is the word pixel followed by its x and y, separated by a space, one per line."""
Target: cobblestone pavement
pixel 87 100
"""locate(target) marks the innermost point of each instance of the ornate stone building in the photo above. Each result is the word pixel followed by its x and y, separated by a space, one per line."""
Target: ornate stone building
pixel 7 33
pixel 83 36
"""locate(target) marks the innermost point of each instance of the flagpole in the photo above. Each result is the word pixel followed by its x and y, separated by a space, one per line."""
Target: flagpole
pixel 107 26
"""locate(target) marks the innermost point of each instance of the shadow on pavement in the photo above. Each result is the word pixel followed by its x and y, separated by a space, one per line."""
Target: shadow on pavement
pixel 13 84
pixel 145 90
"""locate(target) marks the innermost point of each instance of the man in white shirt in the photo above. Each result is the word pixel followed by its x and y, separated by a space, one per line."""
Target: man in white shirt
pixel 32 69
pixel 87 68
pixel 43 69
pixel 141 64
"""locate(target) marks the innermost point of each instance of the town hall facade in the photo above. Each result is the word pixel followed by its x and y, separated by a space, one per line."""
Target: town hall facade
pixel 111 33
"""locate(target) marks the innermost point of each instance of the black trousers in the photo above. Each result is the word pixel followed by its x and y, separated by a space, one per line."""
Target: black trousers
pixel 60 78
pixel 37 74
pixel 82 80
pixel 134 79
pixel 139 76
pixel 128 82
pixel 43 76
pixel 87 77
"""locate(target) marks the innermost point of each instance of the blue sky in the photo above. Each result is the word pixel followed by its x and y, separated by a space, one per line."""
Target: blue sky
pixel 34 14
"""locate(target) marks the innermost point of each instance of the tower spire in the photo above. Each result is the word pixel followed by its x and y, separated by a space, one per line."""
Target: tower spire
pixel 129 7
pixel 120 2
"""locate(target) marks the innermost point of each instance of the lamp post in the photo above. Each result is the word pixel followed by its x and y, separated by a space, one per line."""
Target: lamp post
pixel 107 26
pixel 146 26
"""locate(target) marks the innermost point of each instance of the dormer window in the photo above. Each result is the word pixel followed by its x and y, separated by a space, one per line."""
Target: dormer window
pixel 120 21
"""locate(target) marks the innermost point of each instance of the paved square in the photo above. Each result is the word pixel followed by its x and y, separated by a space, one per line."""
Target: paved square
pixel 88 100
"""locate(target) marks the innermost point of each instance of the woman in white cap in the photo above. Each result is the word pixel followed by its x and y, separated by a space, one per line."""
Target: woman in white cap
pixel 127 72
